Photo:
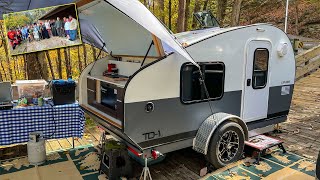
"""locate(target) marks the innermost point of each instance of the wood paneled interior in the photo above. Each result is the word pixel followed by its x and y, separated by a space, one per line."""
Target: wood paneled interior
pixel 91 84
pixel 158 45
pixel 98 92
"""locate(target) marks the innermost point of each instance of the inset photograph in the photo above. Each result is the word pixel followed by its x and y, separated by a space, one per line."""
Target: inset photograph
pixel 42 29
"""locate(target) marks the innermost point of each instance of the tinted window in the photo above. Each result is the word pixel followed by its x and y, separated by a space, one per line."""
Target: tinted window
pixel 191 88
pixel 260 68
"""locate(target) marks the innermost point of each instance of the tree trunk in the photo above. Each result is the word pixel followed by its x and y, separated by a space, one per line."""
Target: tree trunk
pixel 205 5
pixel 25 66
pixel 32 66
pixel 170 15
pixel 42 65
pixel 4 72
pixel 15 66
pixel 221 11
pixel 5 47
pixel 85 55
pixel 187 15
pixel 79 60
pixel 50 64
pixel 181 15
pixel 18 66
pixel 153 4
pixel 297 17
pixel 7 59
pixel 93 53
pixel 162 16
pixel 236 12
pixel 67 60
pixel 197 7
pixel 59 64
pixel 36 65
pixel 1 78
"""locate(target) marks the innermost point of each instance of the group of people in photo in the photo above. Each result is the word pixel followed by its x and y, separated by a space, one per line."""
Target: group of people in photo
pixel 67 27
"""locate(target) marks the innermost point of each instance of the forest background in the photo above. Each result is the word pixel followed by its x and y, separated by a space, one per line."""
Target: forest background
pixel 177 15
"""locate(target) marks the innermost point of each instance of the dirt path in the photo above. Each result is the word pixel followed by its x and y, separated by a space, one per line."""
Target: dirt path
pixel 44 44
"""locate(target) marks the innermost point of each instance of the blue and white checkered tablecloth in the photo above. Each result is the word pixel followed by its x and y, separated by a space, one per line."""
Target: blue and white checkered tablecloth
pixel 61 121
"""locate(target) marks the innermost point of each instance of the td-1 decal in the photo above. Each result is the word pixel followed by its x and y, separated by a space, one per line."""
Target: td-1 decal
pixel 152 135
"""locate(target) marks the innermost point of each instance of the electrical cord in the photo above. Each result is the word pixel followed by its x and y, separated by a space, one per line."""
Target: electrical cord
pixel 54 122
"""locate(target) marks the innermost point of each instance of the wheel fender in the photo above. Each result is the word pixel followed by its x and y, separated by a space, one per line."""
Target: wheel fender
pixel 208 127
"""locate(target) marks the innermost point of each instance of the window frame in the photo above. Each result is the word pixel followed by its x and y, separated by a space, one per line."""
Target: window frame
pixel 253 70
pixel 202 100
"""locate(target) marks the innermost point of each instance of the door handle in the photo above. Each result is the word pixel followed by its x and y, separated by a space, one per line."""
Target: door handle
pixel 248 82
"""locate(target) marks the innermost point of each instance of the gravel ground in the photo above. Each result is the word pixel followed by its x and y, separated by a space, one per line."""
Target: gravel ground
pixel 44 44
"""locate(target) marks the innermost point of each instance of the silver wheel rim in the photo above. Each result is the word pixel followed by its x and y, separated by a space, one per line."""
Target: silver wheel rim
pixel 228 146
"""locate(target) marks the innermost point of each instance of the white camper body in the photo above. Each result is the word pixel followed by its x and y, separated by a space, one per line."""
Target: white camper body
pixel 248 71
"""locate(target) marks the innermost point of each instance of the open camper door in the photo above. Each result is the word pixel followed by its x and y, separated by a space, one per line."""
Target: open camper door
pixel 256 88
pixel 128 28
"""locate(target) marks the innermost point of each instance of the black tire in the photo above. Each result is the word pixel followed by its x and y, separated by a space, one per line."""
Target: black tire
pixel 230 152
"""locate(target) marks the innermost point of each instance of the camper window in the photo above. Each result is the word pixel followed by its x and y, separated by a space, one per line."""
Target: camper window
pixel 260 69
pixel 191 89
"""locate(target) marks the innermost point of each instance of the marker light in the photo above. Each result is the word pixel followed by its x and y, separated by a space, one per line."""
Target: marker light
pixel 155 154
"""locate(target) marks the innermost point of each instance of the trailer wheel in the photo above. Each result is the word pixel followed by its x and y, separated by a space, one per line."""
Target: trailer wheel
pixel 226 145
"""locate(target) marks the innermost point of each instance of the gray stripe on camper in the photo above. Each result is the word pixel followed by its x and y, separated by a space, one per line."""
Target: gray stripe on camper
pixel 280 98
pixel 171 116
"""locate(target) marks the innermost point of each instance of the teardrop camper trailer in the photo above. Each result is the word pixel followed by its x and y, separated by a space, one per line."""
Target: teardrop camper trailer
pixel 204 89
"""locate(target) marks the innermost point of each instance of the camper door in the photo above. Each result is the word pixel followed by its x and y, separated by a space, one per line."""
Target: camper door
pixel 256 85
